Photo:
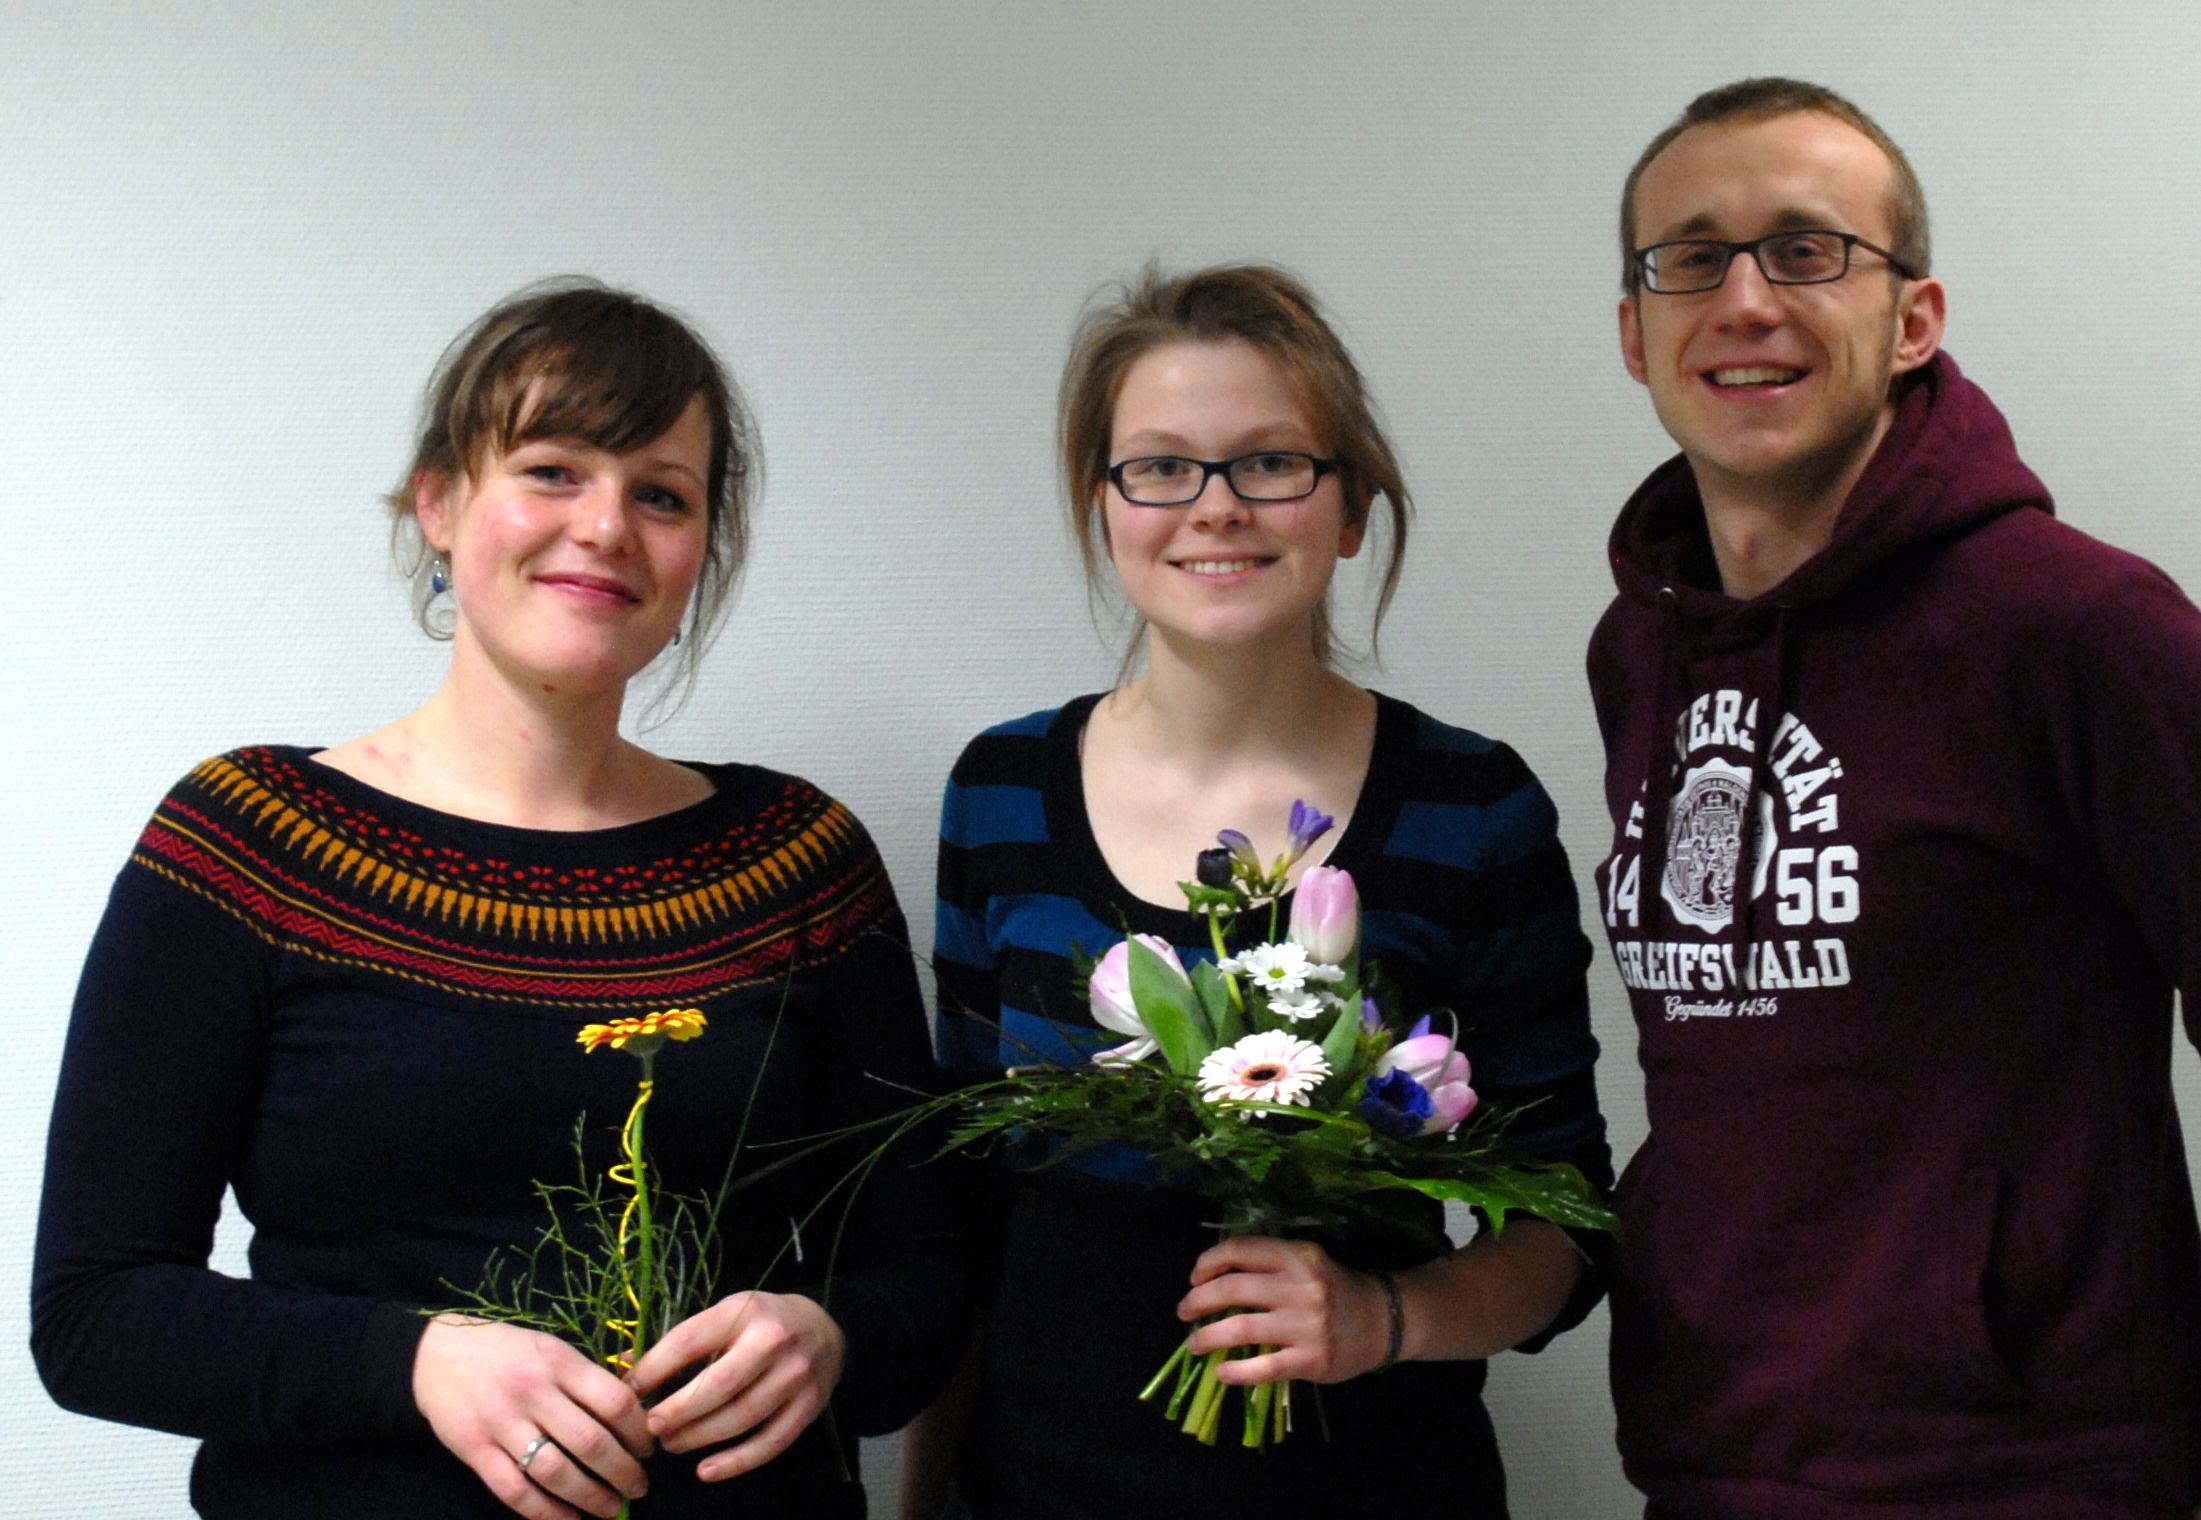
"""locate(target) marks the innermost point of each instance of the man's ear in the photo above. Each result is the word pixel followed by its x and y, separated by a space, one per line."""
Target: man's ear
pixel 1631 340
pixel 1921 316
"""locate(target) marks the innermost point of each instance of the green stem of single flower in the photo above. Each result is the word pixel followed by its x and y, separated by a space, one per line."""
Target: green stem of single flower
pixel 645 1281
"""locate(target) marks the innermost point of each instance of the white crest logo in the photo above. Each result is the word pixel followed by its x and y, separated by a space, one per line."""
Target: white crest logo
pixel 1704 844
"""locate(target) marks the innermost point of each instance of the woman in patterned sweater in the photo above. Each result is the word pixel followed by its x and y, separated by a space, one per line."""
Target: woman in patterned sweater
pixel 347 982
pixel 1220 452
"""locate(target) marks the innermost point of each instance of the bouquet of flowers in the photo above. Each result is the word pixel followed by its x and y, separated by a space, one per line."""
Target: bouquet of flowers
pixel 1272 1076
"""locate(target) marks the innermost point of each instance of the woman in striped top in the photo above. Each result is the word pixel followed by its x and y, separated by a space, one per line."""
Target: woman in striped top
pixel 1221 457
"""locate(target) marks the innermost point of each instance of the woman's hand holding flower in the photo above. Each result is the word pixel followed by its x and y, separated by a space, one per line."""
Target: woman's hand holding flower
pixel 1326 1322
pixel 489 1391
pixel 768 1364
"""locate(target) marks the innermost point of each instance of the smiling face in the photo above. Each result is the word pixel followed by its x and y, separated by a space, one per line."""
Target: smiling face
pixel 1775 392
pixel 571 564
pixel 1218 570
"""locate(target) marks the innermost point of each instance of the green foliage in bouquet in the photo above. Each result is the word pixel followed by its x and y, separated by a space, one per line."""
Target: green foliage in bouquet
pixel 1281 1091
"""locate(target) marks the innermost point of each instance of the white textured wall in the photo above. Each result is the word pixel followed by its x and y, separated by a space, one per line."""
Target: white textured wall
pixel 234 236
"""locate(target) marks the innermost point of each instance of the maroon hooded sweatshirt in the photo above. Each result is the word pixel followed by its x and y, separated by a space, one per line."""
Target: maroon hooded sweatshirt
pixel 1912 1234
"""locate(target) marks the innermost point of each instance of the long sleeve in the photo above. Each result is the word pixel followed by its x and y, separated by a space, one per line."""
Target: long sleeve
pixel 1518 966
pixel 2123 702
pixel 1476 873
pixel 159 1084
pixel 965 964
pixel 900 1286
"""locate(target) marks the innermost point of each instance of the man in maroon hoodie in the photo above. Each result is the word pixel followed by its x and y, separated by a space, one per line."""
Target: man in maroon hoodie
pixel 1906 785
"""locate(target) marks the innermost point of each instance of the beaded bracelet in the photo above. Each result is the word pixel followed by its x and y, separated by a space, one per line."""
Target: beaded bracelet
pixel 1397 1307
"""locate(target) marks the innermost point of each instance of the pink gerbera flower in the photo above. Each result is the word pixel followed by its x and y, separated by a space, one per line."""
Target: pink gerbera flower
pixel 1272 1067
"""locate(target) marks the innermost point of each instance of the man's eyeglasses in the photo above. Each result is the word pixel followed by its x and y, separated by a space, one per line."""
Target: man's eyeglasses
pixel 1805 256
pixel 1171 480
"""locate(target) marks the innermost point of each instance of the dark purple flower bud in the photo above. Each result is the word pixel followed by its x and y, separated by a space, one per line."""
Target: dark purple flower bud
pixel 1213 869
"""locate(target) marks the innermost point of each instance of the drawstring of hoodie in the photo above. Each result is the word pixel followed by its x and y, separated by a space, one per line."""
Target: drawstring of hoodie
pixel 1772 708
pixel 1659 763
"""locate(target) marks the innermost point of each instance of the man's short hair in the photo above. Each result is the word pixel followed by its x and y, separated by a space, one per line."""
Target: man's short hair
pixel 1760 100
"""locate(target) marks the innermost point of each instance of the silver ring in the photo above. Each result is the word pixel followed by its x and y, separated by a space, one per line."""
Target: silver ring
pixel 534 1449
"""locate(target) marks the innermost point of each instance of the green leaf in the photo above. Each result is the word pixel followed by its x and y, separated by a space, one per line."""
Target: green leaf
pixel 1557 1192
pixel 1199 898
pixel 1341 1045
pixel 1165 1003
pixel 1213 989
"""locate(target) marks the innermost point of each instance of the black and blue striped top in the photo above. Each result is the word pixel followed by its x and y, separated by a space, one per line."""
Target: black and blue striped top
pixel 1467 903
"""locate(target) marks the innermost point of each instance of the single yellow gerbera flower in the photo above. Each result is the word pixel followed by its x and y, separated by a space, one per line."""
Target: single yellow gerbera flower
pixel 667 1024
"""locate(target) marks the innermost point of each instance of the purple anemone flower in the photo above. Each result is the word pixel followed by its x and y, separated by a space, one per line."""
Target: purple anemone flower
pixel 1397 1105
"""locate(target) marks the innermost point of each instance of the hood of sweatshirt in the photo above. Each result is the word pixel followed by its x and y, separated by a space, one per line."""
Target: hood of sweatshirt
pixel 1946 467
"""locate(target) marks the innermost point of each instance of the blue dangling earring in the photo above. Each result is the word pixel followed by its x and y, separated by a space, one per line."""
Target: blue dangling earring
pixel 439 578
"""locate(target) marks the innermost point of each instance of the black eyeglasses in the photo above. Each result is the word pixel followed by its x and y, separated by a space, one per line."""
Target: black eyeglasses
pixel 1803 256
pixel 1171 480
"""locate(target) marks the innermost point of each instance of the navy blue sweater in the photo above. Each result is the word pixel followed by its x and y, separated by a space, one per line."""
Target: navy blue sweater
pixel 360 1015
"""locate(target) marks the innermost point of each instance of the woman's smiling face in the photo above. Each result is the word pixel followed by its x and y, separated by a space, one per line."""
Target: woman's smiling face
pixel 571 565
pixel 1219 570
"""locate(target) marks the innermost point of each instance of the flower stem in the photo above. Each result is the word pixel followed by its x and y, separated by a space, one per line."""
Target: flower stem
pixel 1207 1403
pixel 1222 953
pixel 1154 1385
pixel 642 1281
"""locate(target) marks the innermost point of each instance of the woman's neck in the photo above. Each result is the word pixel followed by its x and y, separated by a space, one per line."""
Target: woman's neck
pixel 1211 707
pixel 486 746
pixel 1218 738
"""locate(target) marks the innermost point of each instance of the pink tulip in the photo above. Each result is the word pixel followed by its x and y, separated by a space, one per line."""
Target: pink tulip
pixel 1455 1101
pixel 1326 914
pixel 1109 994
pixel 1436 1063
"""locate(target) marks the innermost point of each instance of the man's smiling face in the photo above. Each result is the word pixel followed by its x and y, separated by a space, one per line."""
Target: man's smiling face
pixel 1771 389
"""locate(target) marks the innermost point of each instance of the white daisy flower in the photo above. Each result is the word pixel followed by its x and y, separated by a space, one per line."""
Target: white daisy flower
pixel 1272 1067
pixel 1296 1006
pixel 1273 968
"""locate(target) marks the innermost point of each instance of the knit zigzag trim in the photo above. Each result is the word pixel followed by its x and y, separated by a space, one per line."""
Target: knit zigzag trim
pixel 309 875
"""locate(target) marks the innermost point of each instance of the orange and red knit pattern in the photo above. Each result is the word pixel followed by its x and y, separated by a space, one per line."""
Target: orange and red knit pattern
pixel 260 834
